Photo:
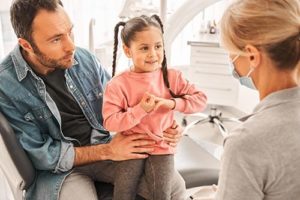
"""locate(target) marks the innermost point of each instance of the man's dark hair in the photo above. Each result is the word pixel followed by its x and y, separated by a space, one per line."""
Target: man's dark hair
pixel 23 12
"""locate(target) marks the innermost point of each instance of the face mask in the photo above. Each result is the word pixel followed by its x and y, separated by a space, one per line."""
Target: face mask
pixel 244 80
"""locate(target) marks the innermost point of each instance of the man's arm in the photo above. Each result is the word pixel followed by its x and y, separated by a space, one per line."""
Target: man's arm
pixel 135 146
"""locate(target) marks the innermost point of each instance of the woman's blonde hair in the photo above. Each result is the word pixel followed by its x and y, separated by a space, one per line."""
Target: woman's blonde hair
pixel 270 25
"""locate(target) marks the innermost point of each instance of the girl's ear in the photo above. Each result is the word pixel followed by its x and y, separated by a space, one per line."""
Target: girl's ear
pixel 254 56
pixel 126 51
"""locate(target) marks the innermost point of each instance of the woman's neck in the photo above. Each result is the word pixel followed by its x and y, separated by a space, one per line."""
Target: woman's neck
pixel 277 80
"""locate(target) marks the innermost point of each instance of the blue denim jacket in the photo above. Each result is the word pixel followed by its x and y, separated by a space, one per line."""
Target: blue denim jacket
pixel 36 121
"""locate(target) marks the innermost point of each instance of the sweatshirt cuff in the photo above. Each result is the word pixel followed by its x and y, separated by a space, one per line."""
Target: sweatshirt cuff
pixel 180 104
pixel 138 112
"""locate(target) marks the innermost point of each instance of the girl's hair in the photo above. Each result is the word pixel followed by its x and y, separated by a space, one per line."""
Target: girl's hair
pixel 270 25
pixel 128 34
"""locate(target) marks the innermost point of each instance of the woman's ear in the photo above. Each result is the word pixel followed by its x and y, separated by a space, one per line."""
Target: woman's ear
pixel 254 55
pixel 126 51
pixel 26 46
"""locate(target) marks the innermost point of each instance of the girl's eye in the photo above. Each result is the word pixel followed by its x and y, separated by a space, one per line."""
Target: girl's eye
pixel 158 46
pixel 144 48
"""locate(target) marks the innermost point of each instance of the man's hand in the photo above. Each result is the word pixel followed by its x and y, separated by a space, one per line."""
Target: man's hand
pixel 135 146
pixel 173 134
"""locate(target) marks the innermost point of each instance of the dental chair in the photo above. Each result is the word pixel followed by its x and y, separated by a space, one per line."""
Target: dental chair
pixel 195 165
pixel 18 169
pixel 15 165
pixel 19 172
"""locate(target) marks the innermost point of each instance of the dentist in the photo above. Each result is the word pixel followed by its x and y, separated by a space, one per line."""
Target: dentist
pixel 262 155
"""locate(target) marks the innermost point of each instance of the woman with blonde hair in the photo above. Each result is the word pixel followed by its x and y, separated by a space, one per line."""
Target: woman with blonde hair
pixel 261 157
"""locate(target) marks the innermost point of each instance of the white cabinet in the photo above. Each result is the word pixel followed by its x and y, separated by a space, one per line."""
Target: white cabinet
pixel 210 71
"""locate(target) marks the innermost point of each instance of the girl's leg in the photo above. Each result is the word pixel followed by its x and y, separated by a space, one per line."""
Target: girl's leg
pixel 178 187
pixel 159 172
pixel 106 171
pixel 127 178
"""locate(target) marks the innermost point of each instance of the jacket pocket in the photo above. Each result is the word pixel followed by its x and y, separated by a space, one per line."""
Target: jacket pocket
pixel 38 116
pixel 94 94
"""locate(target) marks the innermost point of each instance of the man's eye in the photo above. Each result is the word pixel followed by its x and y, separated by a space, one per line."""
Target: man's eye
pixel 56 40
pixel 158 46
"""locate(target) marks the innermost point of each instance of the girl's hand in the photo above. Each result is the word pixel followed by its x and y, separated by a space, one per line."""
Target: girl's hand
pixel 148 102
pixel 167 103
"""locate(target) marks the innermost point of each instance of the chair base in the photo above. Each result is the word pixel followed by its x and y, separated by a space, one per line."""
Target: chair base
pixel 215 117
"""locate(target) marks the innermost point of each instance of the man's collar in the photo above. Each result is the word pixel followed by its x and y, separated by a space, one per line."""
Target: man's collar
pixel 20 64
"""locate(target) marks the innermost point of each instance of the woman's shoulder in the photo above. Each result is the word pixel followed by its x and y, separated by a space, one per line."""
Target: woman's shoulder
pixel 253 133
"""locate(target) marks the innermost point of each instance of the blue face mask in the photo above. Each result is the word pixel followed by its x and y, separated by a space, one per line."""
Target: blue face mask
pixel 244 80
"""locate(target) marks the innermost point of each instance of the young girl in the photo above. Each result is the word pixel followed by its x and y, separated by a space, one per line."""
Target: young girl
pixel 143 100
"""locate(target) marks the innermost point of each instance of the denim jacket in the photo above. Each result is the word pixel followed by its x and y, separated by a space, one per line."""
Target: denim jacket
pixel 35 118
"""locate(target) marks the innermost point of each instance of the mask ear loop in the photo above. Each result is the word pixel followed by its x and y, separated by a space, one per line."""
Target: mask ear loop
pixel 235 58
pixel 251 70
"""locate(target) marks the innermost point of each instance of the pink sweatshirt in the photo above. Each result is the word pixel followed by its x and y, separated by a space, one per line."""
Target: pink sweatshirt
pixel 122 112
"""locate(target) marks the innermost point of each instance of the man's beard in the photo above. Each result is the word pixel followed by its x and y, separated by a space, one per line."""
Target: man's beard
pixel 61 63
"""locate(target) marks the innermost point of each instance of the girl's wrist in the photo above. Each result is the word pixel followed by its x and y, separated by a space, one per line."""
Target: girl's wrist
pixel 174 104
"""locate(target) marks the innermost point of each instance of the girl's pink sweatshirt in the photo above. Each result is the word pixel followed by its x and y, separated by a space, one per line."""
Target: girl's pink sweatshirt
pixel 122 112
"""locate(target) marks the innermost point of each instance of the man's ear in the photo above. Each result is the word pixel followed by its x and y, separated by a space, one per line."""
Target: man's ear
pixel 126 51
pixel 254 55
pixel 25 45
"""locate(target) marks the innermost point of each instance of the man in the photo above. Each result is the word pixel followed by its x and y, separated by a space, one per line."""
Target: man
pixel 51 93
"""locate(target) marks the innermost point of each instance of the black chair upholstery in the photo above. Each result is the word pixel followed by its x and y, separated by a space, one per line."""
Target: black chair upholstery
pixel 17 154
pixel 195 164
